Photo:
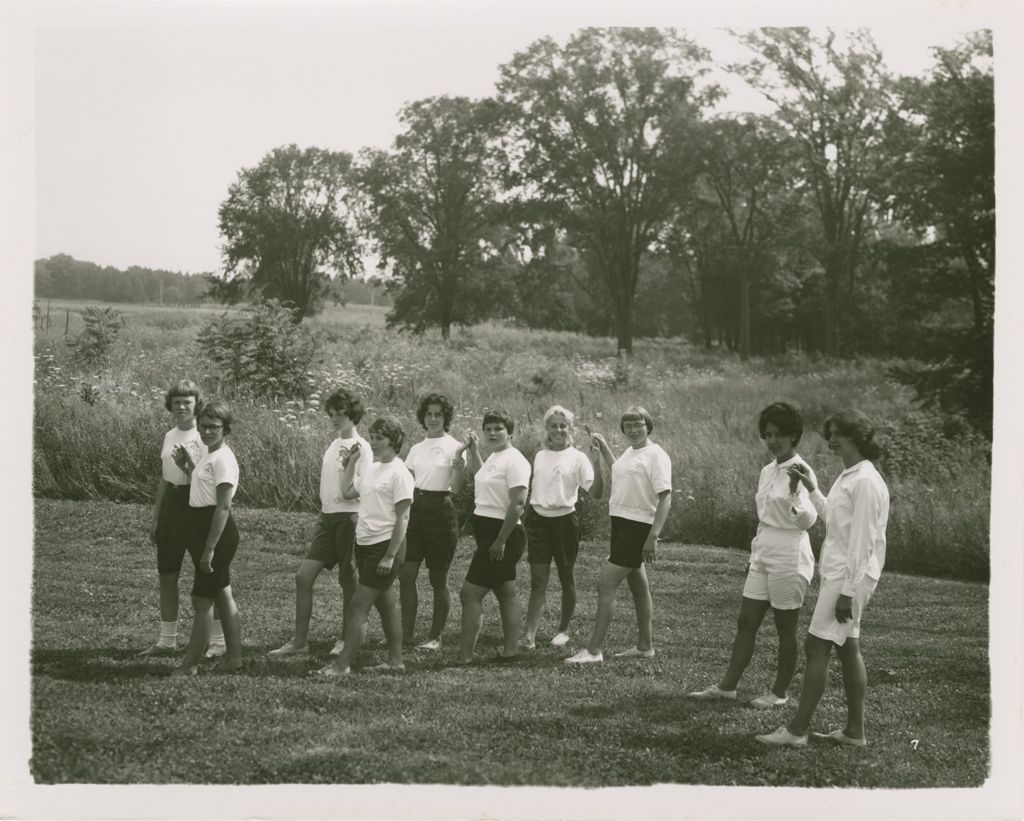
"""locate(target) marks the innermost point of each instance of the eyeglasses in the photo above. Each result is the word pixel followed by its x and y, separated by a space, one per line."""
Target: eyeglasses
pixel 634 426
pixel 209 427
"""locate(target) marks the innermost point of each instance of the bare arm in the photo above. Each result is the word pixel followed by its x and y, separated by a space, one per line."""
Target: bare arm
pixel 397 537
pixel 348 490
pixel 660 517
pixel 517 503
pixel 161 489
pixel 217 523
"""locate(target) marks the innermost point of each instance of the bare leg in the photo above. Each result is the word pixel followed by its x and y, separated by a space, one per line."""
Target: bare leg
pixel 641 590
pixel 389 620
pixel 567 578
pixel 785 626
pixel 199 638
pixel 751 614
pixel 855 681
pixel 305 577
pixel 472 597
pixel 815 678
pixel 511 617
pixel 442 602
pixel 348 581
pixel 168 597
pixel 232 622
pixel 409 599
pixel 359 612
pixel 538 593
pixel 607 585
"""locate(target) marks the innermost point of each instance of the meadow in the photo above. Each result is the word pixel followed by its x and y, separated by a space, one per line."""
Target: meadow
pixel 97 428
pixel 102 715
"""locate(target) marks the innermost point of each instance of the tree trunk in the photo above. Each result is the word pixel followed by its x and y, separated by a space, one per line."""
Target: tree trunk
pixel 744 314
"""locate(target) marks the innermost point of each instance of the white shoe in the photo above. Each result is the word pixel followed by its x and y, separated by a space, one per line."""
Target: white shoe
pixel 783 738
pixel 584 656
pixel 713 693
pixel 431 644
pixel 768 700
pixel 839 737
pixel 216 649
pixel 289 649
pixel 635 653
pixel 560 640
pixel 330 671
pixel 339 646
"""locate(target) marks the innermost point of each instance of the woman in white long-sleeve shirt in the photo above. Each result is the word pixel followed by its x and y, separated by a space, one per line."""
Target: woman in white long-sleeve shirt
pixel 856 513
pixel 781 562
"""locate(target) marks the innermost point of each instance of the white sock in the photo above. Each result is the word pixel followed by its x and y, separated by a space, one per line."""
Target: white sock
pixel 216 632
pixel 168 633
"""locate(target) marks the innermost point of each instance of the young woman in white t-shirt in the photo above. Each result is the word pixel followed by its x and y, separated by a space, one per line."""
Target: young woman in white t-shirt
pixel 781 562
pixel 384 489
pixel 641 494
pixel 333 542
pixel 169 529
pixel 212 538
pixel 433 527
pixel 499 489
pixel 560 471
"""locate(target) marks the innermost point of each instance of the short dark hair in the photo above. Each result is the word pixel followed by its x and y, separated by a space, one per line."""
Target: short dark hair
pixel 184 387
pixel 391 429
pixel 636 414
pixel 436 399
pixel 500 417
pixel 218 409
pixel 785 417
pixel 347 402
pixel 858 428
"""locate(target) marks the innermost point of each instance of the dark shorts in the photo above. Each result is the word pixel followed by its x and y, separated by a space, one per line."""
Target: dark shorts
pixel 552 537
pixel 334 540
pixel 433 529
pixel 628 539
pixel 368 556
pixel 172 529
pixel 206 585
pixel 483 572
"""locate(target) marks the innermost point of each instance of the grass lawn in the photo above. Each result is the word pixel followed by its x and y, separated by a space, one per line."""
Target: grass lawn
pixel 101 715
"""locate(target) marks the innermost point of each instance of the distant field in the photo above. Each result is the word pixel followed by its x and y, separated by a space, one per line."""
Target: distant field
pixel 101 715
pixel 98 427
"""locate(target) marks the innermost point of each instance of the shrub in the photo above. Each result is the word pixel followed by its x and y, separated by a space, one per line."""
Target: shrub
pixel 262 353
pixel 101 328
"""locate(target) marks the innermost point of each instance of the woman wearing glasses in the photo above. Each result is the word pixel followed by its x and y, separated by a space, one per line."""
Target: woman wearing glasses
pixel 641 494
pixel 781 562
pixel 212 538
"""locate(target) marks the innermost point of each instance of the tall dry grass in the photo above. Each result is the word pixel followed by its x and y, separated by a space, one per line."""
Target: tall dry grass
pixel 97 432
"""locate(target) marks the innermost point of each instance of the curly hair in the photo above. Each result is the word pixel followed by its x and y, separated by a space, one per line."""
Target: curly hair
pixel 441 401
pixel 785 417
pixel 391 429
pixel 858 428
pixel 347 402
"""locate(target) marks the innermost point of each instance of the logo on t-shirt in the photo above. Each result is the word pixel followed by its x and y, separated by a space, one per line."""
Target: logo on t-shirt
pixel 634 467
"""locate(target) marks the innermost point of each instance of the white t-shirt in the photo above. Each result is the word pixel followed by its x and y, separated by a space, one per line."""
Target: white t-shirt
pixel 381 486
pixel 856 514
pixel 431 462
pixel 191 441
pixel 213 469
pixel 503 469
pixel 558 476
pixel 330 474
pixel 638 476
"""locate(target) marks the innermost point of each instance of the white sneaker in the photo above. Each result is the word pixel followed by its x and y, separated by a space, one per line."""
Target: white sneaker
pixel 635 653
pixel 560 640
pixel 839 737
pixel 430 644
pixel 288 649
pixel 783 738
pixel 339 646
pixel 768 700
pixel 584 656
pixel 713 693
pixel 216 649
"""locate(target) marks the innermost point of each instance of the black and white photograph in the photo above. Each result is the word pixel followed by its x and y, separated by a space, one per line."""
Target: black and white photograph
pixel 452 410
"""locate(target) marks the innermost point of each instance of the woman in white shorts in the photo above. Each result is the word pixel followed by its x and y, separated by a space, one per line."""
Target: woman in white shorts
pixel 781 562
pixel 856 513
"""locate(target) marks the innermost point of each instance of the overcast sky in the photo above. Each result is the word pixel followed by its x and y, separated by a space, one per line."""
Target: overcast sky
pixel 144 118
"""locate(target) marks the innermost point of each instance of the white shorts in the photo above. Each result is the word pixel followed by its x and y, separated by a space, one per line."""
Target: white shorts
pixel 824 624
pixel 782 586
